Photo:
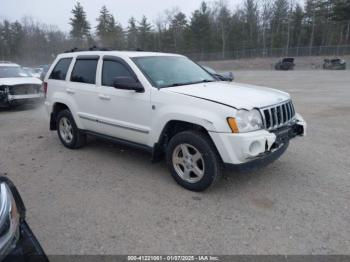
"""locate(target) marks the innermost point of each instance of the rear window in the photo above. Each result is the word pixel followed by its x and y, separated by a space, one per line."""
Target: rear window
pixel 85 71
pixel 61 69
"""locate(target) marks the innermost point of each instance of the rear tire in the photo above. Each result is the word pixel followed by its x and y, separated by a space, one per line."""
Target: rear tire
pixel 193 160
pixel 68 132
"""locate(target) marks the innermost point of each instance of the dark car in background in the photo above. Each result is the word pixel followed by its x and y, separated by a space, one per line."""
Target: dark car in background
pixel 17 241
pixel 334 64
pixel 285 64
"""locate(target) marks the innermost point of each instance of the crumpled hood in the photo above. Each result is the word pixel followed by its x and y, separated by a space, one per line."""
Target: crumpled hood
pixel 237 95
pixel 19 81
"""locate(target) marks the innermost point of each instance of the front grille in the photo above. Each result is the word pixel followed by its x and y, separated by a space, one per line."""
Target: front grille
pixel 277 116
pixel 24 89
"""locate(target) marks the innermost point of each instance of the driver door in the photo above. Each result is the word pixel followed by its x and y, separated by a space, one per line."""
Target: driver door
pixel 124 114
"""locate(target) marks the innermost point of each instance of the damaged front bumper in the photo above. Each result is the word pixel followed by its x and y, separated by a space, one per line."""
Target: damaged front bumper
pixel 6 98
pixel 255 149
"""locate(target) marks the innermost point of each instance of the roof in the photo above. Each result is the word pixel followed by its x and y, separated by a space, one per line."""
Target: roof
pixel 129 54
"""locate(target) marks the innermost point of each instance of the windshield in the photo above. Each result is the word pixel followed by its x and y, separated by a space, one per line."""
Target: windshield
pixel 210 70
pixel 167 71
pixel 12 71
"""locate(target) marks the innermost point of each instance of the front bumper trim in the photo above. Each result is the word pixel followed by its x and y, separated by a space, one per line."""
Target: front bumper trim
pixel 22 97
pixel 259 162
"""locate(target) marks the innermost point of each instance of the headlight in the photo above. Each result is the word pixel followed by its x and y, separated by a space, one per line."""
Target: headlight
pixel 246 121
pixel 9 219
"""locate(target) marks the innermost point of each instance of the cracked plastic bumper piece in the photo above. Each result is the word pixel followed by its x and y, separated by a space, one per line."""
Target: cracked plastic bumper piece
pixel 253 147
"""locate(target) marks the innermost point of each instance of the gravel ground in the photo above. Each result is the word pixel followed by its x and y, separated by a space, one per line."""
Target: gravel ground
pixel 109 199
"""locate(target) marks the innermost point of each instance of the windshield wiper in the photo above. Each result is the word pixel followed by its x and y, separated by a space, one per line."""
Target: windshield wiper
pixel 190 83
pixel 205 81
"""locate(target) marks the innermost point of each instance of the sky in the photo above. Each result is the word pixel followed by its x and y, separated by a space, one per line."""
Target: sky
pixel 58 12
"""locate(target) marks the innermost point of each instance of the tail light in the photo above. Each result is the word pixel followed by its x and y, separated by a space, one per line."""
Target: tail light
pixel 45 88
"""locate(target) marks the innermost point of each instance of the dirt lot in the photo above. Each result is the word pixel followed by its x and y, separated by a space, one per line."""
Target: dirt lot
pixel 108 199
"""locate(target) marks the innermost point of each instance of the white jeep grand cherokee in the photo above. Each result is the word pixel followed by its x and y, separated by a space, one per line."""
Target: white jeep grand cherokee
pixel 169 105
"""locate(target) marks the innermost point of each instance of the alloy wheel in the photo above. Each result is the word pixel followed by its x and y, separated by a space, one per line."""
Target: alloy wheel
pixel 188 163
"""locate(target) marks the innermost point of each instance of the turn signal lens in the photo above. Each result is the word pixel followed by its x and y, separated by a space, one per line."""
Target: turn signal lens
pixel 233 124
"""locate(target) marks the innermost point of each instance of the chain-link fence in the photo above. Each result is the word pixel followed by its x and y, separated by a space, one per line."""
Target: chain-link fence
pixel 273 52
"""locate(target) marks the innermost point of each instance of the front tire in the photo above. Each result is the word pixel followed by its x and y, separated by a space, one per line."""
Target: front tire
pixel 68 132
pixel 193 160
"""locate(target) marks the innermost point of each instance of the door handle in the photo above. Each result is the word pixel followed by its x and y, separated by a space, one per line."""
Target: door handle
pixel 70 91
pixel 104 97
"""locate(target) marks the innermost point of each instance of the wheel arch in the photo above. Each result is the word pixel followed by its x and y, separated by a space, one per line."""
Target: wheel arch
pixel 171 128
pixel 56 108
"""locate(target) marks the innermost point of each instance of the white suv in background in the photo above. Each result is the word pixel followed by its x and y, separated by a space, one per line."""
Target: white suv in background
pixel 168 105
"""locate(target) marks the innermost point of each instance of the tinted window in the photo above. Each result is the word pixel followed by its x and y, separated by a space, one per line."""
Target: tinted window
pixel 61 68
pixel 84 71
pixel 111 70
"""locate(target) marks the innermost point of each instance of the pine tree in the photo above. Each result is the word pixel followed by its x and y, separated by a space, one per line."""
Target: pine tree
pixel 6 40
pixel 297 25
pixel 132 35
pixel 2 42
pixel 265 20
pixel 279 23
pixel 224 26
pixel 252 22
pixel 177 27
pixel 17 37
pixel 144 34
pixel 341 10
pixel 109 32
pixel 80 26
pixel 341 14
pixel 200 30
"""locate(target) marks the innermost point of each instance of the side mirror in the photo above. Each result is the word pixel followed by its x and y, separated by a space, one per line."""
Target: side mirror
pixel 229 76
pixel 226 76
pixel 128 83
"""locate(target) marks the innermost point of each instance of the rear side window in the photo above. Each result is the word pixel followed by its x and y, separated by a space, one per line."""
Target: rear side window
pixel 84 71
pixel 111 70
pixel 61 69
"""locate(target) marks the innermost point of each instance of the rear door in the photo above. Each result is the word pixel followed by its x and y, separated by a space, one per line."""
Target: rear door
pixel 82 87
pixel 57 79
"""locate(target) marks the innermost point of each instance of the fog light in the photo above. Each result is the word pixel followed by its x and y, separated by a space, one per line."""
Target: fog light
pixel 255 148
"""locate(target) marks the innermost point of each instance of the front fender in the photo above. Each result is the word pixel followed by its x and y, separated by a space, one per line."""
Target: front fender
pixel 170 106
pixel 207 119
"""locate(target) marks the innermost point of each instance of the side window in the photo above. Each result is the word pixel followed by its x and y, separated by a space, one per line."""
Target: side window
pixel 84 71
pixel 61 68
pixel 112 69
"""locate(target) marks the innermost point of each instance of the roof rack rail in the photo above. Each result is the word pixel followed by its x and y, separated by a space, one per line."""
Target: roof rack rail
pixel 93 48
pixel 5 62
pixel 96 48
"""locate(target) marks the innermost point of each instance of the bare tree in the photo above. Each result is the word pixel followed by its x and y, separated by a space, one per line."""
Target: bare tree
pixel 223 18
pixel 266 16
